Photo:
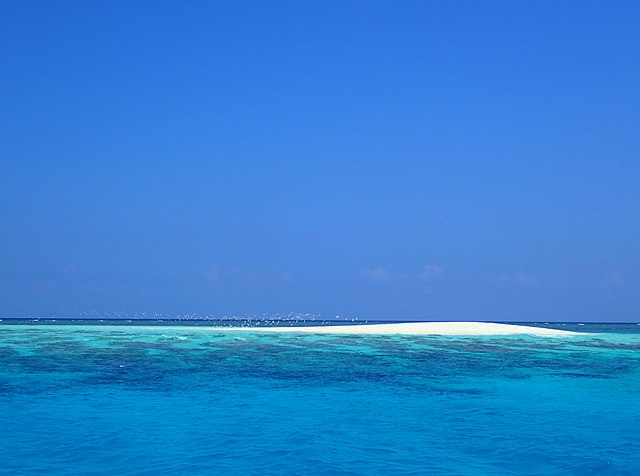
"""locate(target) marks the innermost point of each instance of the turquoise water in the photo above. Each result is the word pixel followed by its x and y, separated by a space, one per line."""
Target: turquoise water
pixel 104 399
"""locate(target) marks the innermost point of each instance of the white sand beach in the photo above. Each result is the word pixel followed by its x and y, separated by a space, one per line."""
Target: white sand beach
pixel 413 328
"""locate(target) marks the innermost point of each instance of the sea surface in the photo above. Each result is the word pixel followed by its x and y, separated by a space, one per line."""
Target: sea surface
pixel 152 398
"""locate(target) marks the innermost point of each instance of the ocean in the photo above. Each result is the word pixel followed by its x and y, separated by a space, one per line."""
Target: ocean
pixel 117 397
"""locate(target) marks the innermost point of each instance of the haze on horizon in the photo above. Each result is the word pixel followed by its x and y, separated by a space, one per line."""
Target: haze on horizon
pixel 386 160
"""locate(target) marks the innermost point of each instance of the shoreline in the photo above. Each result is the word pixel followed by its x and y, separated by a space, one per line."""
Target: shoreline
pixel 451 328
pixel 411 328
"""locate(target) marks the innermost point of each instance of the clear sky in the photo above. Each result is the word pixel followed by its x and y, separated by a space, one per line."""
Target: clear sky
pixel 375 159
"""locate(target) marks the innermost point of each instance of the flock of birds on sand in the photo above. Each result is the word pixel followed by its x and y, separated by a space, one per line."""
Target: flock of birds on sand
pixel 243 320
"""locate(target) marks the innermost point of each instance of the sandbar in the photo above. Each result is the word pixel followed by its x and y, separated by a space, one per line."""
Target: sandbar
pixel 413 328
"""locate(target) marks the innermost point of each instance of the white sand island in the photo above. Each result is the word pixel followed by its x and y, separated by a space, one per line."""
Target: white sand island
pixel 412 328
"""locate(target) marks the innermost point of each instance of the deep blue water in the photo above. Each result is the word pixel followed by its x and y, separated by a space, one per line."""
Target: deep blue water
pixel 81 398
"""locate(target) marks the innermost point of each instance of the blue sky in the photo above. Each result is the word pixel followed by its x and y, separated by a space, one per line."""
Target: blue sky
pixel 382 160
